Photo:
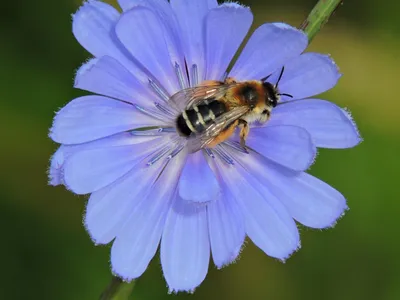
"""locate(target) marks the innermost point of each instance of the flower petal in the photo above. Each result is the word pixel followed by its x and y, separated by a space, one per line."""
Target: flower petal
pixel 143 34
pixel 109 208
pixel 56 170
pixel 289 146
pixel 138 240
pixel 226 27
pixel 128 4
pixel 92 117
pixel 90 170
pixel 185 246
pixel 267 221
pixel 309 200
pixel 166 15
pixel 56 176
pixel 307 75
pixel 93 27
pixel 191 17
pixel 197 182
pixel 328 125
pixel 226 229
pixel 106 76
pixel 271 46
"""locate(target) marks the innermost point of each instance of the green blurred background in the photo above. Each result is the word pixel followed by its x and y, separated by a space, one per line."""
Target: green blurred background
pixel 45 251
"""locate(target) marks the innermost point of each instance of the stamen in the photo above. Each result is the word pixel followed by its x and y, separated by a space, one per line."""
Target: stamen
pixel 220 151
pixel 209 152
pixel 152 131
pixel 168 129
pixel 224 76
pixel 194 76
pixel 164 109
pixel 159 155
pixel 145 131
pixel 158 90
pixel 236 146
pixel 176 151
pixel 151 113
pixel 180 76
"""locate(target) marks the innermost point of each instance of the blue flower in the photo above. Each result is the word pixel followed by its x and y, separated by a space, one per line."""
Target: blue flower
pixel 145 188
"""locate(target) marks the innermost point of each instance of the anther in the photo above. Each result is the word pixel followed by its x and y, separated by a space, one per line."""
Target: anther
pixel 176 151
pixel 224 76
pixel 150 113
pixel 158 156
pixel 209 152
pixel 224 156
pixel 152 131
pixel 236 146
pixel 194 76
pixel 164 109
pixel 167 129
pixel 179 74
pixel 158 90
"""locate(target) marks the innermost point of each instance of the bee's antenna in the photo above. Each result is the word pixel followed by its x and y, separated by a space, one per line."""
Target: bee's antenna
pixel 265 78
pixel 286 95
pixel 280 76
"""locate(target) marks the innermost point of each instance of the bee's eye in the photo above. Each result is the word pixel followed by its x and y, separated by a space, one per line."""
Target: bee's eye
pixel 273 101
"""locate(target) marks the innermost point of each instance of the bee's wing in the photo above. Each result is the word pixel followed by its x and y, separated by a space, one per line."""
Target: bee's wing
pixel 188 97
pixel 199 141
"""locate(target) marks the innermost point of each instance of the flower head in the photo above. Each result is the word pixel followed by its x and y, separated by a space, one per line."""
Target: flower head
pixel 121 146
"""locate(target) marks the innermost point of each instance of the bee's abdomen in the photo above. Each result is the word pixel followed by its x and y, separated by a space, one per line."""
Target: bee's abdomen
pixel 196 119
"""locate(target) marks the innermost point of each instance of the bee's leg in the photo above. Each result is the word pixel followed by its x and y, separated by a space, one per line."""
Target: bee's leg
pixel 244 132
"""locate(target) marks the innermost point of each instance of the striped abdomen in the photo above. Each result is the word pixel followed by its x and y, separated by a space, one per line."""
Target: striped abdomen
pixel 196 119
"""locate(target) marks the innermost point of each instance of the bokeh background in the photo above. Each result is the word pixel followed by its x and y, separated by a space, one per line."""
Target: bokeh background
pixel 45 252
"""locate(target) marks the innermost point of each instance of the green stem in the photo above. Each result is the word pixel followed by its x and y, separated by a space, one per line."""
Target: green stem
pixel 317 18
pixel 117 290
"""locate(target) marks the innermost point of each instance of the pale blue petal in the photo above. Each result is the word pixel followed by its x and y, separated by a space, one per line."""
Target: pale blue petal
pixel 143 35
pixel 164 12
pixel 137 241
pixel 108 209
pixel 128 4
pixel 289 146
pixel 56 176
pixel 197 182
pixel 271 46
pixel 191 19
pixel 56 170
pixel 267 222
pixel 106 76
pixel 226 229
pixel 92 117
pixel 93 27
pixel 307 75
pixel 185 246
pixel 328 125
pixel 309 200
pixel 226 27
pixel 90 170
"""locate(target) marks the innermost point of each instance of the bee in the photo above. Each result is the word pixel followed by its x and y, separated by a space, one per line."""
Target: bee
pixel 210 112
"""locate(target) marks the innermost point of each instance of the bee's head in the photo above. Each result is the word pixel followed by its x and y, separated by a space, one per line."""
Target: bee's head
pixel 271 94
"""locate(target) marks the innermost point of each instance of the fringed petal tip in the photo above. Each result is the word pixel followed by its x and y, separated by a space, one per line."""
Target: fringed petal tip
pixel 289 255
pixel 357 135
pixel 335 220
pixel 232 259
pixel 83 69
pixel 55 172
pixel 233 5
